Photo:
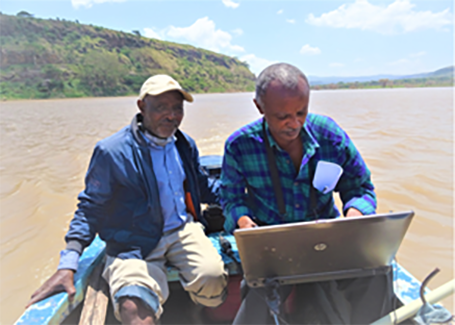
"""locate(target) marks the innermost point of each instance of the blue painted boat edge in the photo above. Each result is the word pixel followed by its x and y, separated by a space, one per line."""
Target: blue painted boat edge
pixel 406 286
pixel 55 309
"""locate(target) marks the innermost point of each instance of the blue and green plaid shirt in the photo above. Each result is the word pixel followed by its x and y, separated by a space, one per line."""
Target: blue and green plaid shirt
pixel 246 185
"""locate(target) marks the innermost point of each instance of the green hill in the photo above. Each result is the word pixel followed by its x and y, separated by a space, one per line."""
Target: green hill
pixel 443 73
pixel 42 58
pixel 440 78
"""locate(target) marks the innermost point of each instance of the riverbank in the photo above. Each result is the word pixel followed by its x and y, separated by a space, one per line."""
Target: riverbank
pixel 57 58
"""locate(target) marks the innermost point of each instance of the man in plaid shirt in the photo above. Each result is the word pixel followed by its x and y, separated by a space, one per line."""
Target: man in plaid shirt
pixel 299 140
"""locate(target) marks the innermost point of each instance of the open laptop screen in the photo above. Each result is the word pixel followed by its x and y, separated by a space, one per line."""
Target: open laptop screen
pixel 321 250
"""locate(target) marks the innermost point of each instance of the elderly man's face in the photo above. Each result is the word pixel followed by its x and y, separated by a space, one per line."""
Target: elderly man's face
pixel 162 113
pixel 285 111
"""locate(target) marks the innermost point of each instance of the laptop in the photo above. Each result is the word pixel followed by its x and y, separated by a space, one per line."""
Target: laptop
pixel 326 249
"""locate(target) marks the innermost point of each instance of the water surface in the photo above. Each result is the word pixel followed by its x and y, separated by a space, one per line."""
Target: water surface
pixel 405 135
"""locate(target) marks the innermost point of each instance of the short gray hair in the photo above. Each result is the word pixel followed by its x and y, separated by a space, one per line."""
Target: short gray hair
pixel 287 74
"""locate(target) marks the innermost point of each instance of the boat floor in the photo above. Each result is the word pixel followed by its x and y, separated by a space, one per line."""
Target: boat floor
pixel 179 310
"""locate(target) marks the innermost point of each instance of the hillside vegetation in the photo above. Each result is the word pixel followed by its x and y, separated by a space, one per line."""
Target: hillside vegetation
pixel 57 58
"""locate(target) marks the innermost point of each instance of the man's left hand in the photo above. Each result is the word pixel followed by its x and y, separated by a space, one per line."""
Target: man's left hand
pixel 353 213
pixel 62 280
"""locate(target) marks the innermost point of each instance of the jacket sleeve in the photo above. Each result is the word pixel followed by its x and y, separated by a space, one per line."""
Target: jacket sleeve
pixel 232 189
pixel 91 207
pixel 355 186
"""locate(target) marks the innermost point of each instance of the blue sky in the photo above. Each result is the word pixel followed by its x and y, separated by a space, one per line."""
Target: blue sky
pixel 322 38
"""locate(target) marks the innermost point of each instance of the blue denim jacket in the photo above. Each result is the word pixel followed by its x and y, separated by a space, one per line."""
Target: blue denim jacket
pixel 121 202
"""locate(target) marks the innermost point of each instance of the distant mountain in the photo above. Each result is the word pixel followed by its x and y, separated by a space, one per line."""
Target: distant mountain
pixel 444 72
pixel 47 58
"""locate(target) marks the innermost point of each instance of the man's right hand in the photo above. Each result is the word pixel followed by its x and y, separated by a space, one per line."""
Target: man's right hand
pixel 246 222
pixel 62 280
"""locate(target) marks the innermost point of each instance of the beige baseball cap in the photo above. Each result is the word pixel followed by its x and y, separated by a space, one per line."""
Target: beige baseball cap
pixel 161 83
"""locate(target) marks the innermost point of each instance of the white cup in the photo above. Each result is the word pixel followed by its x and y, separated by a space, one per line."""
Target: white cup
pixel 326 176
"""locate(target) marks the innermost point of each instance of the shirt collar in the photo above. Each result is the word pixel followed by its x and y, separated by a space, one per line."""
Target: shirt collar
pixel 157 142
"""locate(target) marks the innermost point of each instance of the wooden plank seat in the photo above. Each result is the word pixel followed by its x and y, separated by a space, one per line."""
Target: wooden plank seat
pixel 96 299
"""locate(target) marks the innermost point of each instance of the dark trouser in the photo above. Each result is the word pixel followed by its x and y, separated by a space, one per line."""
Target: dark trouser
pixel 351 301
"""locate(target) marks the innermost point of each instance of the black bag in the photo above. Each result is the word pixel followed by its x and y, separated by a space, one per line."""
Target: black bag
pixel 213 214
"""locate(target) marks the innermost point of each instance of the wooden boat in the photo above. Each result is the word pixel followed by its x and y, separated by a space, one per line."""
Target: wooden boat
pixel 91 303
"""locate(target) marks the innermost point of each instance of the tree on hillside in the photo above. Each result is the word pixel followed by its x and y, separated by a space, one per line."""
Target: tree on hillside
pixel 24 14
pixel 136 32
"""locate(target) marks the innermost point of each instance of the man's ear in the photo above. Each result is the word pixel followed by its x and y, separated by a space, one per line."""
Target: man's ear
pixel 258 106
pixel 140 105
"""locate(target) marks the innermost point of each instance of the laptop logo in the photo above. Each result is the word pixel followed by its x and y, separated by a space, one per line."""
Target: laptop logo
pixel 320 247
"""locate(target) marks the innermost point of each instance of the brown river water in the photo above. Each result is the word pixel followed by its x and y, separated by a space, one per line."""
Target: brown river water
pixel 405 135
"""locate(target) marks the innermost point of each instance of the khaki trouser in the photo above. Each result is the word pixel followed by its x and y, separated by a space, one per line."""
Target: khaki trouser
pixel 200 267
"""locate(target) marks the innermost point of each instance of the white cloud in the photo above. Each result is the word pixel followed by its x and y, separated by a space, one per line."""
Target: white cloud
pixel 150 33
pixel 88 3
pixel 399 16
pixel 307 49
pixel 411 59
pixel 409 64
pixel 279 12
pixel 237 31
pixel 291 21
pixel 336 65
pixel 230 4
pixel 202 33
pixel 256 64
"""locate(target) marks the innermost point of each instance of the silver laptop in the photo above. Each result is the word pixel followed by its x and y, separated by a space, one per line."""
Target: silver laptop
pixel 326 249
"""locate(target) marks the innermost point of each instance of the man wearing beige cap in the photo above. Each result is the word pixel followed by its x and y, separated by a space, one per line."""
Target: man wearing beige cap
pixel 143 191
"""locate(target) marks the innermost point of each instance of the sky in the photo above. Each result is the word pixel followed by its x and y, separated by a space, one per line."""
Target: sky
pixel 323 38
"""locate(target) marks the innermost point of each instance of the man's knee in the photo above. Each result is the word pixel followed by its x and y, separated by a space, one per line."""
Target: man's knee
pixel 209 272
pixel 215 276
pixel 213 271
pixel 211 291
pixel 134 311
